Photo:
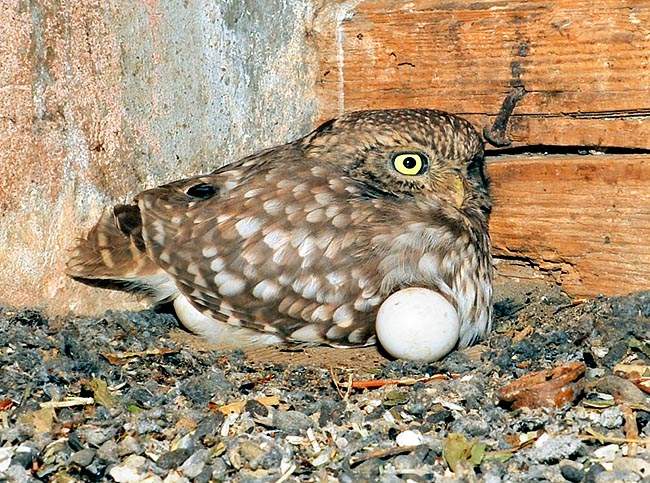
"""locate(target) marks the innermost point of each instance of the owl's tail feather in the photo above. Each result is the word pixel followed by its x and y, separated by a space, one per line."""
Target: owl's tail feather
pixel 113 256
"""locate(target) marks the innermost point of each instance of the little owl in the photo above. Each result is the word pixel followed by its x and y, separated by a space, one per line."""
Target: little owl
pixel 303 242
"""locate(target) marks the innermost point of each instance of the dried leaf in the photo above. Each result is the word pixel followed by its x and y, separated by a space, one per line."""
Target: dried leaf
pixel 101 393
pixel 456 449
pixel 42 419
pixel 477 453
pixel 5 404
pixel 375 383
pixel 238 406
pixel 395 398
pixel 643 347
pixel 123 357
pixel 550 388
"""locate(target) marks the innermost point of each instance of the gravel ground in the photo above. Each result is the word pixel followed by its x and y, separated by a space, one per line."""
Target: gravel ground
pixel 131 398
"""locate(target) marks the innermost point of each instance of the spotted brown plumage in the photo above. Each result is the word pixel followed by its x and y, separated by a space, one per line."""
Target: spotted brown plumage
pixel 304 241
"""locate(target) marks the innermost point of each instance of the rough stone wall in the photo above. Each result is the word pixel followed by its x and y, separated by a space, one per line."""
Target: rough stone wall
pixel 101 99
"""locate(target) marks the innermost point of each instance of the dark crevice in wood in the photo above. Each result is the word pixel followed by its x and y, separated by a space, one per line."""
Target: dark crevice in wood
pixel 536 150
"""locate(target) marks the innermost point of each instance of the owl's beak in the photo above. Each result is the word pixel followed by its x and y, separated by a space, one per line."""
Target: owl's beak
pixel 457 188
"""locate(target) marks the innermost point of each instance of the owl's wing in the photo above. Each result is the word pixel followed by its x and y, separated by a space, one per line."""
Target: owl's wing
pixel 277 251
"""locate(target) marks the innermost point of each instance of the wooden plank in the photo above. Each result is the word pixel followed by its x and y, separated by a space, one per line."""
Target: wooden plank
pixel 584 65
pixel 583 219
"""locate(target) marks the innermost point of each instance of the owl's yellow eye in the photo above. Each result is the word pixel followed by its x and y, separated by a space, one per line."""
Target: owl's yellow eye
pixel 410 164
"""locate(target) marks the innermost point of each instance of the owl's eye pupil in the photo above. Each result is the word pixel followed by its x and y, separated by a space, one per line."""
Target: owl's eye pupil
pixel 410 162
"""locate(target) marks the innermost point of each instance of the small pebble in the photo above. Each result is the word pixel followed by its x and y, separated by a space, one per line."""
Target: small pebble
pixel 109 451
pixel 293 422
pixel 550 449
pixel 194 465
pixel 132 469
pixel 409 438
pixel 611 418
pixel 607 453
pixel 572 471
pixel 129 445
pixel 173 459
pixel 84 457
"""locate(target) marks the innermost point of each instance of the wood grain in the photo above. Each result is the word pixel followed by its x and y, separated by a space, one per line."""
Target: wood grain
pixel 584 65
pixel 585 220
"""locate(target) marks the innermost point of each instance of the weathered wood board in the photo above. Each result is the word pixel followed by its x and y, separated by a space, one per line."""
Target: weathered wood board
pixel 583 219
pixel 584 65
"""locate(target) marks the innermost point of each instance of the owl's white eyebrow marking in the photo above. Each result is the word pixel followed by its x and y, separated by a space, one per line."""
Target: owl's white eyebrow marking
pixel 247 227
pixel 209 251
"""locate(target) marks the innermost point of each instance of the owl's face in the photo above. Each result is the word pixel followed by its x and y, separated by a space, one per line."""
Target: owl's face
pixel 413 154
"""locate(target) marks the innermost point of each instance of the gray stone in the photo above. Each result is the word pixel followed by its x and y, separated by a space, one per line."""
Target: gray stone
pixel 194 465
pixel 291 421
pixel 84 457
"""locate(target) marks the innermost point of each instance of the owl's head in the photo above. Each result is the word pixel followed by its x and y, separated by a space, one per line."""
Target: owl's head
pixel 408 153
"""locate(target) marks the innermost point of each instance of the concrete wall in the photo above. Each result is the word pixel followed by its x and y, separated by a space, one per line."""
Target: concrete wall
pixel 101 99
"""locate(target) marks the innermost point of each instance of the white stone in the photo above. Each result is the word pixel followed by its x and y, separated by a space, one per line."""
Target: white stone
pixel 417 324
pixel 409 438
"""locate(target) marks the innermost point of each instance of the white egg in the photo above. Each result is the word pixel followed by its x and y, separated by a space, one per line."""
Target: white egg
pixel 417 324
